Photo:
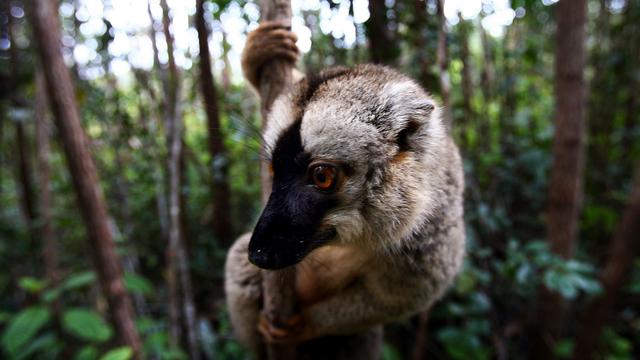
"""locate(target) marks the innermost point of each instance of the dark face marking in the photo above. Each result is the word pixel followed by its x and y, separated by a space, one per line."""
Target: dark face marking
pixel 288 228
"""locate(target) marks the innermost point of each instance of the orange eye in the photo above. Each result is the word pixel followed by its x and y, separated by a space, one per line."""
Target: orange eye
pixel 324 177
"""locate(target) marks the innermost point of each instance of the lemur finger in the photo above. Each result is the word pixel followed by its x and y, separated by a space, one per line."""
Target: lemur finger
pixel 283 34
pixel 271 333
pixel 273 24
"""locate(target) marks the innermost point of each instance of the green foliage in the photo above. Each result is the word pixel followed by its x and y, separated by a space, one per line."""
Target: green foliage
pixel 23 328
pixel 137 284
pixel 615 346
pixel 465 342
pixel 505 139
pixel 390 353
pixel 86 325
pixel 121 353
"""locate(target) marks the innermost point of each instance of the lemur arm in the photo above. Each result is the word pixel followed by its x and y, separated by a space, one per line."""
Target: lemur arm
pixel 269 41
pixel 363 304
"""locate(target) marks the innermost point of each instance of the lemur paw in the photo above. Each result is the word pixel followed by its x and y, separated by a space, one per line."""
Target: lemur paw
pixel 271 40
pixel 294 330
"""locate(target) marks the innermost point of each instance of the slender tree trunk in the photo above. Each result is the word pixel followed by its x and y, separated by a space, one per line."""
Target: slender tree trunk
pixel 279 301
pixel 632 26
pixel 487 80
pixel 25 178
pixel 83 172
pixel 443 65
pixel 46 232
pixel 467 82
pixel 226 71
pixel 420 346
pixel 565 186
pixel 178 262
pixel 23 165
pixel 382 45
pixel 624 247
pixel 219 156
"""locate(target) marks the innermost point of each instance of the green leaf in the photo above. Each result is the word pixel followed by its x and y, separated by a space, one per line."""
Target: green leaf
pixel 86 324
pixel 32 285
pixel 79 280
pixel 121 353
pixel 50 295
pixel 4 317
pixel 137 284
pixel 45 343
pixel 23 327
pixel 564 349
pixel 88 352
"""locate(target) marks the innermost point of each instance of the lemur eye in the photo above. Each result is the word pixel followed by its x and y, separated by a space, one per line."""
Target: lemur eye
pixel 324 177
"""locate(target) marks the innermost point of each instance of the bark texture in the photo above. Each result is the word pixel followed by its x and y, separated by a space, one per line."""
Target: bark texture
pixel 178 268
pixel 382 46
pixel 624 247
pixel 45 230
pixel 467 81
pixel 279 302
pixel 221 201
pixel 566 183
pixel 83 172
pixel 443 65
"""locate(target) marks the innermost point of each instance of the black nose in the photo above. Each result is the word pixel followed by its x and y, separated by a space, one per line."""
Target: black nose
pixel 270 260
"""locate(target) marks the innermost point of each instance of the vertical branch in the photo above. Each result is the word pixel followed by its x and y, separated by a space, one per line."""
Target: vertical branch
pixel 467 82
pixel 443 65
pixel 624 246
pixel 565 186
pixel 487 81
pixel 277 285
pixel 178 262
pixel 83 172
pixel 23 166
pixel 49 243
pixel 382 45
pixel 219 157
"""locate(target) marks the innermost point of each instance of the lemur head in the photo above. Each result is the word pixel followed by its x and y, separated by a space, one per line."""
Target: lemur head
pixel 357 158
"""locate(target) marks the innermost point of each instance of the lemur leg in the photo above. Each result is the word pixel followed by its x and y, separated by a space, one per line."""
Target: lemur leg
pixel 243 287
pixel 271 40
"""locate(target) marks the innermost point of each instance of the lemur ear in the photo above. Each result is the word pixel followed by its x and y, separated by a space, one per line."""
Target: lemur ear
pixel 402 139
pixel 421 112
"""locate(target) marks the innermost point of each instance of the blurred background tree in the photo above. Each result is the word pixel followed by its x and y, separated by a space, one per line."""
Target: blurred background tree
pixel 173 132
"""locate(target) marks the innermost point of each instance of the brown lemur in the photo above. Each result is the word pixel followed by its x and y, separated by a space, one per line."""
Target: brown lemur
pixel 367 200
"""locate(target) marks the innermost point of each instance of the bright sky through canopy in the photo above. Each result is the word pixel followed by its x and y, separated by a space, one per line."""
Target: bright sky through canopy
pixel 131 46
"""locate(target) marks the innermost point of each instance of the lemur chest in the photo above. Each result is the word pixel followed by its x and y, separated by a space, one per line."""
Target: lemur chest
pixel 328 270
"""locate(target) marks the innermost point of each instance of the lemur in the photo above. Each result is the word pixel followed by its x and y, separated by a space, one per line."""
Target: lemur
pixel 367 201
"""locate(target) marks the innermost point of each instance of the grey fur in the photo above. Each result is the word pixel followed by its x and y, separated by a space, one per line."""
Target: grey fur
pixel 402 210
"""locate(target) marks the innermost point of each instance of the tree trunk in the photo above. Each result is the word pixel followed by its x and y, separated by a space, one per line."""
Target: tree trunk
pixel 219 156
pixel 565 186
pixel 279 301
pixel 25 178
pixel 487 80
pixel 83 172
pixel 443 65
pixel 47 236
pixel 624 246
pixel 178 269
pixel 467 82
pixel 382 45
pixel 23 166
pixel 420 347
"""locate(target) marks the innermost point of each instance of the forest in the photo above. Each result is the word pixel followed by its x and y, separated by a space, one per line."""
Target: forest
pixel 130 161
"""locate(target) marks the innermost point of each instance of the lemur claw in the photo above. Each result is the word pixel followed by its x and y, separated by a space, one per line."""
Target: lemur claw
pixel 274 334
